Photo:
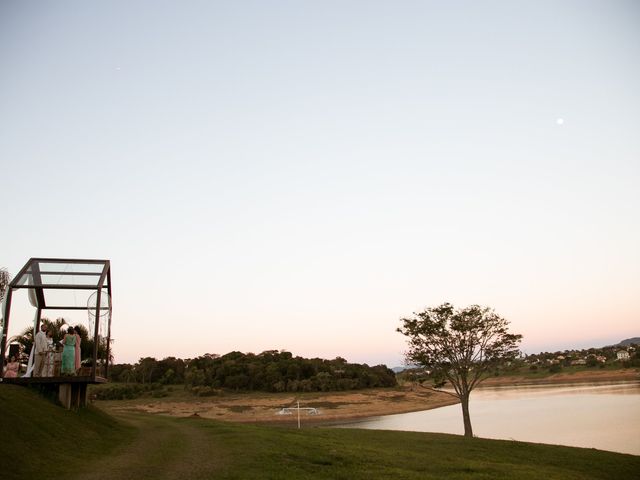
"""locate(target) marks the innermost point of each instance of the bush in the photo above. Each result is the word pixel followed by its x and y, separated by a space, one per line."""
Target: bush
pixel 555 368
pixel 127 391
pixel 119 392
pixel 204 391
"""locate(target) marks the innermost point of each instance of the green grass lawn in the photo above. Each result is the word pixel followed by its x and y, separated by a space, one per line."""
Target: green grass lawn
pixel 47 441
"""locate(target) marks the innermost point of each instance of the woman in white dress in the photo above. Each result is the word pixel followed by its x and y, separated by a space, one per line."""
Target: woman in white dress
pixel 49 355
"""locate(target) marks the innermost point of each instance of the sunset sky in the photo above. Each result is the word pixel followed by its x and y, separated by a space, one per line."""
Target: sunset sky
pixel 300 175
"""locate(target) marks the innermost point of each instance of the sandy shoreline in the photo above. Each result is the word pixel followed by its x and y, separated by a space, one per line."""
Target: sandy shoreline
pixel 336 407
pixel 332 407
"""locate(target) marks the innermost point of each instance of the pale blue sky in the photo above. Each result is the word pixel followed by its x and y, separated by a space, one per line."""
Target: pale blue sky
pixel 300 175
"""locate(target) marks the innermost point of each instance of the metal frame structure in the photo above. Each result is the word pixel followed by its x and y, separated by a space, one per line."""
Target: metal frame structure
pixel 31 277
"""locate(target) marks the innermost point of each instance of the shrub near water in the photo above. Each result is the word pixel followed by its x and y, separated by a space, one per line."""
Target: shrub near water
pixel 206 391
pixel 129 391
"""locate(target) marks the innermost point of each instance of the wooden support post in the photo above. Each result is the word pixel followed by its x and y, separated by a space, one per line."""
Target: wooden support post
pixel 64 395
pixel 110 305
pixel 72 395
pixel 96 339
pixel 82 395
pixel 5 330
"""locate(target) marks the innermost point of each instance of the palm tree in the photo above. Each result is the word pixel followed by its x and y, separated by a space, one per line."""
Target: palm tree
pixel 25 338
pixel 59 328
pixel 5 278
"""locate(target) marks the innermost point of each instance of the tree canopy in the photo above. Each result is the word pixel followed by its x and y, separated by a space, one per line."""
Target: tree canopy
pixel 271 371
pixel 5 278
pixel 460 346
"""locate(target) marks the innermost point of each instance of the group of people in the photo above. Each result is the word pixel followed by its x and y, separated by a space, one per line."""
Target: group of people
pixel 44 354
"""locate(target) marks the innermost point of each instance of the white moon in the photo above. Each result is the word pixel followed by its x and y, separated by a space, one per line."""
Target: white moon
pixel 560 121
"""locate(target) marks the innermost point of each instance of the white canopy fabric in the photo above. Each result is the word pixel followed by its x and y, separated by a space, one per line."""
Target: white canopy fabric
pixel 33 300
pixel 3 309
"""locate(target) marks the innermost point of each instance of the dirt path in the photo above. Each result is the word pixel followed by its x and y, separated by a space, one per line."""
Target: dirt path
pixel 163 448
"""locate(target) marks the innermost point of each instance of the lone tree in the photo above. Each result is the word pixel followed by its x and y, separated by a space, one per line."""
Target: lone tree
pixel 460 346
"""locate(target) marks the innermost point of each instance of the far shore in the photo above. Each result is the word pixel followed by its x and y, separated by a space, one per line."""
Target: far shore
pixel 336 407
pixel 585 376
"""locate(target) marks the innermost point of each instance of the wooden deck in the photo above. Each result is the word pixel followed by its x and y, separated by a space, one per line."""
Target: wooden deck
pixel 53 380
pixel 70 390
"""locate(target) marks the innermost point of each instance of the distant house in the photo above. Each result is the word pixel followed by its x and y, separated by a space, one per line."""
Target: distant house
pixel 601 359
pixel 622 355
pixel 580 361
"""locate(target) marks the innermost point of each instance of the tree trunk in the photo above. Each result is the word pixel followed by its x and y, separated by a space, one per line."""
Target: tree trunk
pixel 464 401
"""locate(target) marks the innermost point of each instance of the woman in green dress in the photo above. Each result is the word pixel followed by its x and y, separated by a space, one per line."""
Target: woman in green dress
pixel 69 353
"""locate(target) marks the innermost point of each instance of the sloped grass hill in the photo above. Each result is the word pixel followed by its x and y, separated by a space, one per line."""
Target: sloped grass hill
pixel 42 440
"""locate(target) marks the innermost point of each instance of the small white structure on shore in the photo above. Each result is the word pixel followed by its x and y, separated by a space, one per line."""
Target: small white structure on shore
pixel 290 410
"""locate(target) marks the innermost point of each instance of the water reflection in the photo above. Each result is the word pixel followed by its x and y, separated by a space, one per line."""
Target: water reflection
pixel 603 416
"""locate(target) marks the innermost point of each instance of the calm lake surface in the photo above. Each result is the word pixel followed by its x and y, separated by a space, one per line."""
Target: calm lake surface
pixel 603 416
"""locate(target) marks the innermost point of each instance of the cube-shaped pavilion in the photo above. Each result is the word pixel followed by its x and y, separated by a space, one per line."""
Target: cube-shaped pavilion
pixel 66 284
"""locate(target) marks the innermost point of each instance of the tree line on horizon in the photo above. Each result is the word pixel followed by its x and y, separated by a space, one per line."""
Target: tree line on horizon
pixel 269 371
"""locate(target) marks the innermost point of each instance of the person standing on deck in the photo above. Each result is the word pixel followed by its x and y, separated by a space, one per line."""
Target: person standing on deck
pixel 78 340
pixel 69 352
pixel 50 355
pixel 40 345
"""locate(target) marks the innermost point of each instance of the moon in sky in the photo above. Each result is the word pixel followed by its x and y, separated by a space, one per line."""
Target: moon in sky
pixel 560 121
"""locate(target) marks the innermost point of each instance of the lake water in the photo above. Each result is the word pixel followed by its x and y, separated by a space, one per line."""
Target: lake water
pixel 600 416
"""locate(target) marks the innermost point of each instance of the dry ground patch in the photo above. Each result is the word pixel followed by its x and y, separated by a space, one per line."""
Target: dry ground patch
pixel 263 407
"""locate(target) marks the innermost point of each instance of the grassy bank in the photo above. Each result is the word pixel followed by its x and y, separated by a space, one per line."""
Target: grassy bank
pixel 92 445
pixel 40 437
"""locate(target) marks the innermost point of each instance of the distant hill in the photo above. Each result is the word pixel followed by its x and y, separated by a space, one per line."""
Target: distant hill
pixel 402 369
pixel 629 341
